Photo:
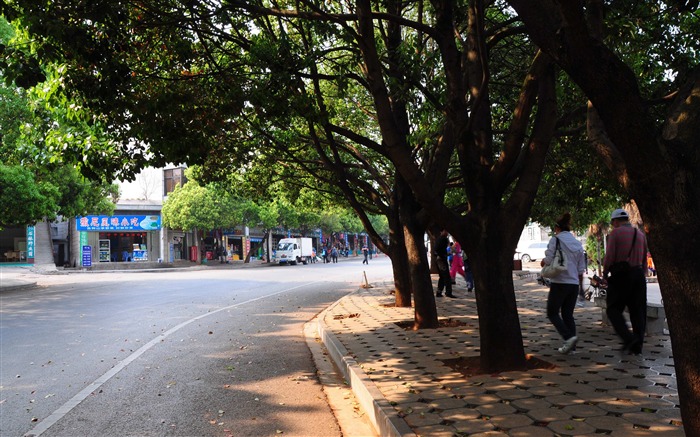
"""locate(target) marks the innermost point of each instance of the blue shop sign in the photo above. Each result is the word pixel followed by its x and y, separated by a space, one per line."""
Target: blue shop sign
pixel 119 223
pixel 87 256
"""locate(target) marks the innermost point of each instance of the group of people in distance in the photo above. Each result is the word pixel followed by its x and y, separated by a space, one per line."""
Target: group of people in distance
pixel 450 263
pixel 330 254
pixel 624 270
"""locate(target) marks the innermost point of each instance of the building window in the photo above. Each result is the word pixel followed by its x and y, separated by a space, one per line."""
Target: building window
pixel 173 177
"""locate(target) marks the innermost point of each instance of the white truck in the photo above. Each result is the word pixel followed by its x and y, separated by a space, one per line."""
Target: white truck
pixel 294 250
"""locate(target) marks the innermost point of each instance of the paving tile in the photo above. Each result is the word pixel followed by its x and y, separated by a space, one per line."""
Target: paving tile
pixel 495 409
pixel 546 391
pixel 513 394
pixel 474 427
pixel 481 399
pixel 447 403
pixel 577 388
pixel 528 404
pixel 564 400
pixel 510 421
pixel 619 406
pixel 548 414
pixel 461 414
pixel 584 410
pixel 609 423
pixel 643 419
pixel 435 431
pixel 420 419
pixel 571 427
pixel 413 407
pixel 528 431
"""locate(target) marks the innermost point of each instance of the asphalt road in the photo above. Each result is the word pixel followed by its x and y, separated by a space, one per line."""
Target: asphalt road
pixel 216 352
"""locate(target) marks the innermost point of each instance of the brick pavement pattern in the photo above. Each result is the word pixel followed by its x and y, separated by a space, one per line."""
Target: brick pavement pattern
pixel 595 391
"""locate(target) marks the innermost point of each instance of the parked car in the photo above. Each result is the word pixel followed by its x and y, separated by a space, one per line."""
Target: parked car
pixel 531 252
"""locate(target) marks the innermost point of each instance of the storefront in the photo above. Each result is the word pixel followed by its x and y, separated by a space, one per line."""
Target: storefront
pixel 120 238
pixel 17 244
pixel 239 245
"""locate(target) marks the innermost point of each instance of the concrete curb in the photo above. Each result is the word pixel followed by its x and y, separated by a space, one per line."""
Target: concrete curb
pixel 383 416
pixel 15 285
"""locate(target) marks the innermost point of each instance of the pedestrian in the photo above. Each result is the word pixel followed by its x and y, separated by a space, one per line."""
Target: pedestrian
pixel 564 287
pixel 468 271
pixel 457 264
pixel 365 253
pixel 324 255
pixel 444 281
pixel 651 270
pixel 625 262
pixel 449 254
pixel 334 254
pixel 313 255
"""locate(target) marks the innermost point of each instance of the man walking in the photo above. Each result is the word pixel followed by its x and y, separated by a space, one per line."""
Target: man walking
pixel 444 281
pixel 625 262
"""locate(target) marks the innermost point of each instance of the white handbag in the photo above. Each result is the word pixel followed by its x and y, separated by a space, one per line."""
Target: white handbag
pixel 558 264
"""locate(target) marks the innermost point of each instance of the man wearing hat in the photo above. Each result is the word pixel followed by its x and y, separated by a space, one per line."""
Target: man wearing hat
pixel 625 262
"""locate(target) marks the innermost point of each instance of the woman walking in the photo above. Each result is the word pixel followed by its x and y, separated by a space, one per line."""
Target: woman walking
pixel 457 264
pixel 564 287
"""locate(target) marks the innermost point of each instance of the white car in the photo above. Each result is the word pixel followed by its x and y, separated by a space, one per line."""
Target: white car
pixel 531 252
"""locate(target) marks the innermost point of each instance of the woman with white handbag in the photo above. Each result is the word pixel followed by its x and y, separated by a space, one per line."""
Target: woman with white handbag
pixel 564 264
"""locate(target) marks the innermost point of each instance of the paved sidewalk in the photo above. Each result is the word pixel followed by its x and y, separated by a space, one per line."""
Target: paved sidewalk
pixel 406 389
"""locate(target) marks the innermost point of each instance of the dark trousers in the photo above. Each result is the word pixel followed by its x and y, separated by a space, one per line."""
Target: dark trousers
pixel 628 291
pixel 444 280
pixel 560 308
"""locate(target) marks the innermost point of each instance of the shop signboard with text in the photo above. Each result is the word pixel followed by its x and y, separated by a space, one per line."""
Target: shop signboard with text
pixel 105 223
pixel 31 235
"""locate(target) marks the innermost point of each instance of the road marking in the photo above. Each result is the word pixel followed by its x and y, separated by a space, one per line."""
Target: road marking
pixel 73 402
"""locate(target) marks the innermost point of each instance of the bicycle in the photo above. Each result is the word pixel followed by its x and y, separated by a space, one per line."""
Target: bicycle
pixel 597 287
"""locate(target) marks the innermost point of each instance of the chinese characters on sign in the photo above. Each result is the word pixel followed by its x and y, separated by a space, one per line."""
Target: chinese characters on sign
pixel 119 223
pixel 87 256
pixel 30 242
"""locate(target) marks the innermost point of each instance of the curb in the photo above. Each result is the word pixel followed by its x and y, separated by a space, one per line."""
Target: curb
pixel 18 286
pixel 381 414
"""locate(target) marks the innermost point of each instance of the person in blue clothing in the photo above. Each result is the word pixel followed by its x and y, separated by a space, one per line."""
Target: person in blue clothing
pixel 563 291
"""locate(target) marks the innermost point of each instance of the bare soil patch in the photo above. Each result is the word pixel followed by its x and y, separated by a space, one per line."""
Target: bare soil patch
pixel 471 366
pixel 442 323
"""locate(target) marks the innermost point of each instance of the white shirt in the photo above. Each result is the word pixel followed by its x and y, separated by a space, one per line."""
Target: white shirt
pixel 575 259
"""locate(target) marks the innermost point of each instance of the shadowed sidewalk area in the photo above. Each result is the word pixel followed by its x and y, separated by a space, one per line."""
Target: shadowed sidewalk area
pixel 406 387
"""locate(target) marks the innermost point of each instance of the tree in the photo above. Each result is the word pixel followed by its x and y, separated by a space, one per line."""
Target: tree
pixel 22 200
pixel 30 127
pixel 209 207
pixel 644 123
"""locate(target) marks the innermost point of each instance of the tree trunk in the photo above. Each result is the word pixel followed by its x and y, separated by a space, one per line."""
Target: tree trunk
pixel 679 278
pixel 402 278
pixel 73 243
pixel 399 253
pixel 499 326
pixel 421 283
